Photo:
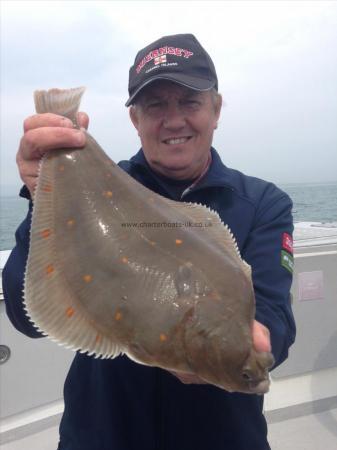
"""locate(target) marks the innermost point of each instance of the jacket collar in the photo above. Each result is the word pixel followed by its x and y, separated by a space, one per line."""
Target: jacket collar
pixel 218 175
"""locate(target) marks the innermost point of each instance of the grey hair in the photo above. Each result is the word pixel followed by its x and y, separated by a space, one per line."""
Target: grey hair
pixel 216 96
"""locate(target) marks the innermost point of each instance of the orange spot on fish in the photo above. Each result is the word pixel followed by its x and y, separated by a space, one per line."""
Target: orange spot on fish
pixel 49 269
pixel 61 169
pixel 214 295
pixel 70 222
pixel 179 241
pixel 87 278
pixel 124 260
pixel 163 337
pixel 152 243
pixel 98 338
pixel 70 311
pixel 118 315
pixel 108 175
pixel 47 188
pixel 45 233
pixel 107 194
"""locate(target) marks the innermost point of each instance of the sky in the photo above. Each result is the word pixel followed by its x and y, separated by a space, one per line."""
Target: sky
pixel 276 64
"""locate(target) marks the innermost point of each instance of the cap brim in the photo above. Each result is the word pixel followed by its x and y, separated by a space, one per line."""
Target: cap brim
pixel 197 84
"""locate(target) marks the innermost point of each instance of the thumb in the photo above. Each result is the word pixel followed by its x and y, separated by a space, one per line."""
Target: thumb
pixel 82 120
pixel 261 337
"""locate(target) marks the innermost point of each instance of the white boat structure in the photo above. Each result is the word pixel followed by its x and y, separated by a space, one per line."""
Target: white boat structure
pixel 301 407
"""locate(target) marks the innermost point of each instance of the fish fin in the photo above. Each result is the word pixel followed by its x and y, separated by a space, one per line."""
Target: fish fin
pixel 49 302
pixel 218 230
pixel 64 102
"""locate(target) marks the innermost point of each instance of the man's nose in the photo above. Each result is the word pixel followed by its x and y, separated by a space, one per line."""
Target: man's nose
pixel 174 117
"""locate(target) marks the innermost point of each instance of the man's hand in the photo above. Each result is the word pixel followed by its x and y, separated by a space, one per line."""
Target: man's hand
pixel 261 337
pixel 261 342
pixel 42 133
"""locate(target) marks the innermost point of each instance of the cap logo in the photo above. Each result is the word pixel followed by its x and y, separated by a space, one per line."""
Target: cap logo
pixel 160 60
pixel 159 56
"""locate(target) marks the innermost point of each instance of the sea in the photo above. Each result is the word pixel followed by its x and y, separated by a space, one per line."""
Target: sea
pixel 313 202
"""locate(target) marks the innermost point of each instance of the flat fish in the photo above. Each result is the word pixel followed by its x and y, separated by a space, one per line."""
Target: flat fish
pixel 105 276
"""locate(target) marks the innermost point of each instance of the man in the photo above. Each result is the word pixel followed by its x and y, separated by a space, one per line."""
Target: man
pixel 118 404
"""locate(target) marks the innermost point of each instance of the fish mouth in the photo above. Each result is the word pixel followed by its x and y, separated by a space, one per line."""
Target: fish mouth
pixel 259 387
pixel 176 140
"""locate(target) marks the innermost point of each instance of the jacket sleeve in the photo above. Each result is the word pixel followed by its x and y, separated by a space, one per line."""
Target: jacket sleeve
pixel 271 261
pixel 13 277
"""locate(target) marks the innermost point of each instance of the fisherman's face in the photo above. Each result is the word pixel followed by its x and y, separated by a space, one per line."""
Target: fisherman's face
pixel 175 125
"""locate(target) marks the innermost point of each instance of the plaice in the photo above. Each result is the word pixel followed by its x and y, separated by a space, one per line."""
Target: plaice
pixel 100 281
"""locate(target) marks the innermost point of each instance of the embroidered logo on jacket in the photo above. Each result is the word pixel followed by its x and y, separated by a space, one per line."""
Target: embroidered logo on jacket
pixel 287 243
pixel 287 261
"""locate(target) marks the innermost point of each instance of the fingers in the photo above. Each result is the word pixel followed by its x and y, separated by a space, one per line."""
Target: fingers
pixel 82 120
pixel 261 337
pixel 37 141
pixel 43 133
pixel 53 120
pixel 46 120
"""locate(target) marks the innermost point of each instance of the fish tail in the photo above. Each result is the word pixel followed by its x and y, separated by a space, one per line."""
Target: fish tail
pixel 64 102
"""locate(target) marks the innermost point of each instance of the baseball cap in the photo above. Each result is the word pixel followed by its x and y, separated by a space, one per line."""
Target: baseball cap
pixel 179 58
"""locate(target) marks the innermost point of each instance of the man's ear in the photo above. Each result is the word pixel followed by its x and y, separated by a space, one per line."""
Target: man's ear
pixel 218 105
pixel 134 116
pixel 217 109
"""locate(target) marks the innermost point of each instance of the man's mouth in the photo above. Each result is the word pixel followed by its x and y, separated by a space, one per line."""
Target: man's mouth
pixel 177 140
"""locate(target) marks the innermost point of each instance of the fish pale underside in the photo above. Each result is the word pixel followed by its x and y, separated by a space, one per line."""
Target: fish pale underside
pixel 176 297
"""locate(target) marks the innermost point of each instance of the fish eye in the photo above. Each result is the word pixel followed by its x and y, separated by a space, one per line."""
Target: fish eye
pixel 246 375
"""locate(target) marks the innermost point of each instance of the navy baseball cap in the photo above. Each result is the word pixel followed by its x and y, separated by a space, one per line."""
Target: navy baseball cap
pixel 179 58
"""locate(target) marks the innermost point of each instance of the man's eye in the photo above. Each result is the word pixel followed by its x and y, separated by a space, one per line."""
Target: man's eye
pixel 154 105
pixel 191 103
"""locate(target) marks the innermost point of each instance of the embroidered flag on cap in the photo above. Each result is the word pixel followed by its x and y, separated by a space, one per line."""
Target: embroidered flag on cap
pixel 160 60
